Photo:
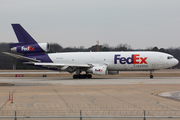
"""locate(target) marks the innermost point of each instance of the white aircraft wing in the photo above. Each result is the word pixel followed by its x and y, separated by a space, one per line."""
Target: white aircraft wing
pixel 61 65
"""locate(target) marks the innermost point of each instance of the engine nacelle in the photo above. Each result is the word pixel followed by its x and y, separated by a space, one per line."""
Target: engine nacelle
pixel 31 48
pixel 113 72
pixel 98 70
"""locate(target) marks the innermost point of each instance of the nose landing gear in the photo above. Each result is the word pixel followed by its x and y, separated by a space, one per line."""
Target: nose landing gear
pixel 151 76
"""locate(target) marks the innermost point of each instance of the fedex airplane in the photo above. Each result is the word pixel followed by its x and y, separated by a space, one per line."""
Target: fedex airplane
pixel 98 63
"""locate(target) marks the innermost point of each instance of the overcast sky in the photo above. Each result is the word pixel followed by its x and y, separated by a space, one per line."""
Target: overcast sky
pixel 139 23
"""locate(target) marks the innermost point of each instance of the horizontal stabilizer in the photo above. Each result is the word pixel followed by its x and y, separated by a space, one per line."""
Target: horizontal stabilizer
pixel 21 57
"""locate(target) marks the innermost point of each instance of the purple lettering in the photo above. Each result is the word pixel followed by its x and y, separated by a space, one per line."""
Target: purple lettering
pixel 123 60
pixel 116 58
pixel 134 59
pixel 130 60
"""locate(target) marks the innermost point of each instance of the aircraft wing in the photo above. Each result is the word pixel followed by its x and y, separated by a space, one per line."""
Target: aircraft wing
pixel 38 62
pixel 21 57
pixel 59 64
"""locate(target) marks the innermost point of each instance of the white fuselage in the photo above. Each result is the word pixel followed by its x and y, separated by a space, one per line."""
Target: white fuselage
pixel 98 63
pixel 118 61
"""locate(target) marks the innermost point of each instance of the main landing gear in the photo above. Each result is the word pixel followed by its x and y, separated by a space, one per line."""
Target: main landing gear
pixel 80 76
pixel 151 76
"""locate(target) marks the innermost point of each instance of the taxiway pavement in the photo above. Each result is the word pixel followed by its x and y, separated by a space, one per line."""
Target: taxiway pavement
pixel 40 94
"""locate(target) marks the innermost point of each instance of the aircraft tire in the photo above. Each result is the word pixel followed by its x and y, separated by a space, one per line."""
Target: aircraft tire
pixel 80 76
pixel 89 76
pixel 151 76
pixel 75 76
pixel 84 75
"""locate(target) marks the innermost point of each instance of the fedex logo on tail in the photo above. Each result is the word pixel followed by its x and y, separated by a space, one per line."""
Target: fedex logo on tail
pixel 29 48
pixel 134 59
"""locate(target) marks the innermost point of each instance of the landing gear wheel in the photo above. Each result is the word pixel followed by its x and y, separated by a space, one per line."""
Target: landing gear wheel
pixel 151 76
pixel 75 76
pixel 82 76
pixel 89 76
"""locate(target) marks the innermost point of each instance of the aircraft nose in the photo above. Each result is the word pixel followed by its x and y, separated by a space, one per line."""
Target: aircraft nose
pixel 172 62
pixel 176 62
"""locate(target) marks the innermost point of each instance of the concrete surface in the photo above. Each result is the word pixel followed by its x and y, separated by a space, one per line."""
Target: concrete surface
pixel 40 73
pixel 175 95
pixel 128 96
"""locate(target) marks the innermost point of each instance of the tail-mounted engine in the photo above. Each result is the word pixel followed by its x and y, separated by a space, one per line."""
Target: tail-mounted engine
pixel 31 48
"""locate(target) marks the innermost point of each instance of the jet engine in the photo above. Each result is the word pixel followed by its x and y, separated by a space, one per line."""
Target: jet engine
pixel 98 70
pixel 113 72
pixel 31 48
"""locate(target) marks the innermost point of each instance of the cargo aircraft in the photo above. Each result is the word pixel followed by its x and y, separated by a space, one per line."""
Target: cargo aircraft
pixel 99 63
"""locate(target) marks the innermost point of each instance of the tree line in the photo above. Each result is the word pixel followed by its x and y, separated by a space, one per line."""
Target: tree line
pixel 8 62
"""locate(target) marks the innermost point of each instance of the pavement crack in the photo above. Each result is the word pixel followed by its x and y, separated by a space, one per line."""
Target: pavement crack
pixel 62 98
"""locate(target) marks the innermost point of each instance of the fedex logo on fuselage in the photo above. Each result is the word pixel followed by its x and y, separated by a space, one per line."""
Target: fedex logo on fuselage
pixel 29 48
pixel 134 59
pixel 98 70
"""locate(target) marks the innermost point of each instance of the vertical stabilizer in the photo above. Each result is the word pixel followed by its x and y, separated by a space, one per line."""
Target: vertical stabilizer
pixel 22 35
pixel 27 45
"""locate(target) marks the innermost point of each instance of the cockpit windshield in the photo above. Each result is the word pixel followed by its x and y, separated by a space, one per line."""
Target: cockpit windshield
pixel 170 57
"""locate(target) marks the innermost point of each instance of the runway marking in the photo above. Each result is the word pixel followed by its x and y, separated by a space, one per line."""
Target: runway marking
pixel 58 84
pixel 154 100
pixel 146 81
pixel 7 102
pixel 158 93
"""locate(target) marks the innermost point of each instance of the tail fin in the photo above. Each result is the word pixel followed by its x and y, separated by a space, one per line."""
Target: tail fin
pixel 22 36
pixel 27 44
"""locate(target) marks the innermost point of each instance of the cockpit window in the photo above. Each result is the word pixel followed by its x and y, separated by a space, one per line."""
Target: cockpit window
pixel 169 57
